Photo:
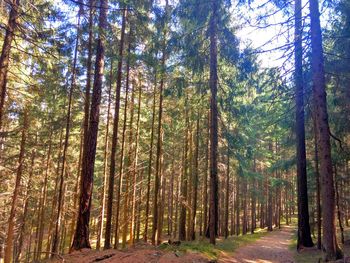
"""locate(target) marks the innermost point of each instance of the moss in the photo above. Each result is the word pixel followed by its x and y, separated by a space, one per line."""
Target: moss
pixel 212 252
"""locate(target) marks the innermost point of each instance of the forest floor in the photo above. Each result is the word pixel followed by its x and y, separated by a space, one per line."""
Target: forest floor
pixel 313 255
pixel 272 248
pixel 262 247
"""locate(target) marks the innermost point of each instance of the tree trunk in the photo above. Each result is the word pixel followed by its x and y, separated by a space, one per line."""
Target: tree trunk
pixel 121 165
pixel 318 187
pixel 26 203
pixel 183 192
pixel 56 236
pixel 43 200
pixel 238 202
pixel 227 194
pixel 128 164
pixel 205 178
pixel 213 83
pixel 195 183
pixel 5 53
pixel 11 222
pixel 155 231
pixel 304 235
pixel 330 244
pixel 134 171
pixel 253 193
pixel 150 158
pixel 338 205
pixel 107 243
pixel 54 199
pixel 81 237
pixel 105 165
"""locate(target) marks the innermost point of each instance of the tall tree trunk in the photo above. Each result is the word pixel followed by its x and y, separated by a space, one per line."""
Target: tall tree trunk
pixel 55 196
pixel 107 243
pixel 253 217
pixel 269 204
pixel 105 165
pixel 227 194
pixel 134 171
pixel 150 158
pixel 195 183
pixel 76 190
pixel 81 236
pixel 330 243
pixel 60 200
pixel 318 187
pixel 338 204
pixel 205 178
pixel 26 202
pixel 11 221
pixel 213 83
pixel 88 82
pixel 5 52
pixel 304 235
pixel 155 231
pixel 43 199
pixel 184 181
pixel 128 164
pixel 238 206
pixel 121 164
pixel 86 108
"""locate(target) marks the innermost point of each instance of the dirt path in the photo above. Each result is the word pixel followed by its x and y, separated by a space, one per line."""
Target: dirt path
pixel 273 248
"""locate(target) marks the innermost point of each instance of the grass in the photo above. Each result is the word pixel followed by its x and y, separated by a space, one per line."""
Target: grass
pixel 313 255
pixel 212 252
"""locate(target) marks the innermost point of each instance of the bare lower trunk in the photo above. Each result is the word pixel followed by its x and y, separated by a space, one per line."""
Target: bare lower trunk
pixel 15 196
pixel 105 164
pixel 150 158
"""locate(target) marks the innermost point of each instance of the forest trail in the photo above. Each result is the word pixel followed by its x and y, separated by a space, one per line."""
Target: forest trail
pixel 272 248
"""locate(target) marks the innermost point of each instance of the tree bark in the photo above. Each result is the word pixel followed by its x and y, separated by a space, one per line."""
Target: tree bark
pixel 304 234
pixel 11 222
pixel 81 237
pixel 330 243
pixel 43 199
pixel 134 171
pixel 150 158
pixel 213 83
pixel 338 204
pixel 5 52
pixel 105 165
pixel 121 164
pixel 107 243
pixel 227 194
pixel 56 236
pixel 195 183
pixel 318 187
pixel 155 231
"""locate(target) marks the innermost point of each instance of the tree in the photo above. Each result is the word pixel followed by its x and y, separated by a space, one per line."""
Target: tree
pixel 81 236
pixel 5 52
pixel 304 235
pixel 107 243
pixel 213 82
pixel 19 172
pixel 330 244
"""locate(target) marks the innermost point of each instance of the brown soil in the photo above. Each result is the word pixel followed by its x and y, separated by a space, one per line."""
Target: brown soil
pixel 146 254
pixel 272 248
